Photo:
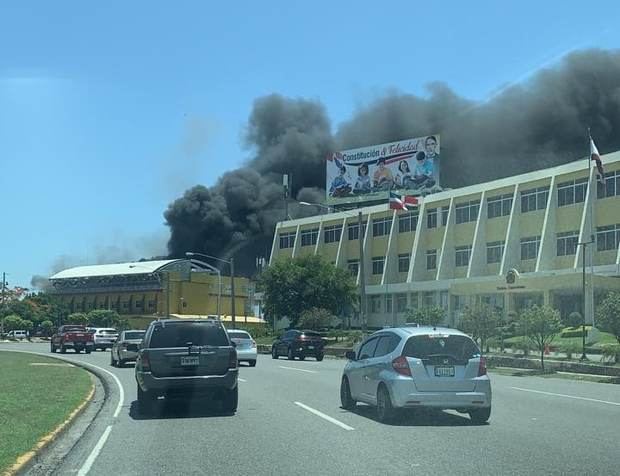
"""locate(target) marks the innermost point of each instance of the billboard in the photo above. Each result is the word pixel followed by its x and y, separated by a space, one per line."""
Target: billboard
pixel 408 167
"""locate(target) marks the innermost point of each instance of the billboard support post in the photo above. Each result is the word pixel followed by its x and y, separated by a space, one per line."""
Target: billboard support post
pixel 362 273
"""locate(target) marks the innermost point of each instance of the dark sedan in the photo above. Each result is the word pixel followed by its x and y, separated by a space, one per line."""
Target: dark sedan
pixel 299 344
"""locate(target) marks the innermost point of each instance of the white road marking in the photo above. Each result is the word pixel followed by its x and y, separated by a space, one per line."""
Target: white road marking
pixel 566 396
pixel 95 452
pixel 241 379
pixel 295 368
pixel 325 417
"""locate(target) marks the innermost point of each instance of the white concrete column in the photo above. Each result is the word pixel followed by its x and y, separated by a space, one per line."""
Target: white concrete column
pixel 547 251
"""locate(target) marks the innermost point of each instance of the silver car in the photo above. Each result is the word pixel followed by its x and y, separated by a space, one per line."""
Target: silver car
pixel 246 346
pixel 125 349
pixel 413 367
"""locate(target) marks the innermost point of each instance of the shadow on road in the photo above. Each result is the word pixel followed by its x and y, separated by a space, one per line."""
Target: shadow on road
pixel 177 408
pixel 417 417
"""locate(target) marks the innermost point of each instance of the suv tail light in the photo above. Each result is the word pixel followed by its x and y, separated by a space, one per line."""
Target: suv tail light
pixel 232 359
pixel 253 343
pixel 69 337
pixel 145 361
pixel 401 366
pixel 482 367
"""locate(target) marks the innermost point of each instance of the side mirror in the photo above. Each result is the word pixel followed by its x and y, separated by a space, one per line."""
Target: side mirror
pixel 349 354
pixel 234 344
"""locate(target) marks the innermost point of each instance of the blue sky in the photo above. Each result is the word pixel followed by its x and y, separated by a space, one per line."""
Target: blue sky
pixel 110 110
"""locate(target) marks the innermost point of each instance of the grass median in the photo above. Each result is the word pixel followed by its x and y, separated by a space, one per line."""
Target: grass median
pixel 37 394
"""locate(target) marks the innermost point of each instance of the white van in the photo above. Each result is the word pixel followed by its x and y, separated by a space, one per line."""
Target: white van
pixel 17 335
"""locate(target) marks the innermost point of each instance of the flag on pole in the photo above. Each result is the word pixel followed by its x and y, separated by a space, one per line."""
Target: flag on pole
pixel 595 156
pixel 410 200
pixel 396 202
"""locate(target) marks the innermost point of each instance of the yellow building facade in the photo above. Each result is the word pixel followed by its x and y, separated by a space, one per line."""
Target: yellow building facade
pixel 456 248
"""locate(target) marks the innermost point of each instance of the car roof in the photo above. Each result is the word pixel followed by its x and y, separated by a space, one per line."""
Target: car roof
pixel 237 330
pixel 163 322
pixel 421 330
pixel 133 330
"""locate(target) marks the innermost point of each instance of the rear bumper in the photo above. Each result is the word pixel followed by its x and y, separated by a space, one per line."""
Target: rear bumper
pixel 127 355
pixel 403 397
pixel 247 354
pixel 77 345
pixel 303 350
pixel 148 382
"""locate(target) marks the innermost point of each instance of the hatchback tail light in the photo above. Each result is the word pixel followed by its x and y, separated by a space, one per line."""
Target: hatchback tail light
pixel 401 366
pixel 145 361
pixel 232 359
pixel 482 367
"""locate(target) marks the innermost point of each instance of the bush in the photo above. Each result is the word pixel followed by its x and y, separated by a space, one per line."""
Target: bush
pixel 12 322
pixel 315 319
pixel 611 353
pixel 574 319
pixel 567 334
pixel 570 349
pixel 77 318
pixel 46 327
pixel 427 316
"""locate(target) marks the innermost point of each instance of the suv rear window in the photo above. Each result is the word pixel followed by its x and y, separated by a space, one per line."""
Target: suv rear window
pixel 238 335
pixel 428 346
pixel 183 333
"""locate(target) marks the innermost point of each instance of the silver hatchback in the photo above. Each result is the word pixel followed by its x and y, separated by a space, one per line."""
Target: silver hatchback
pixel 413 367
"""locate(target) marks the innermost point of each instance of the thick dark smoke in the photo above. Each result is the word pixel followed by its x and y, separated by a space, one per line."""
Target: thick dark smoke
pixel 537 124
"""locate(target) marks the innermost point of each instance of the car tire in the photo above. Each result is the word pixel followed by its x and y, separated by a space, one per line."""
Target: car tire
pixel 480 415
pixel 302 357
pixel 230 400
pixel 290 355
pixel 112 361
pixel 319 357
pixel 274 352
pixel 146 400
pixel 120 363
pixel 385 410
pixel 252 363
pixel 77 350
pixel 346 400
pixel 63 349
pixel 87 350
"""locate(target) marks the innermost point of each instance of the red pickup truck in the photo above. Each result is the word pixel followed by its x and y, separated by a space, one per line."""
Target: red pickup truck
pixel 72 337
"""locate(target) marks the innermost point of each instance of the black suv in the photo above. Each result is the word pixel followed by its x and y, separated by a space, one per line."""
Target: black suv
pixel 298 344
pixel 190 358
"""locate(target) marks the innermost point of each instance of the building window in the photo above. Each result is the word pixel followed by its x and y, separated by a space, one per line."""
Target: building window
pixel 403 263
pixel 572 192
pixel 332 233
pixel 287 240
pixel 151 304
pixel 429 299
pixel 444 215
pixel 138 304
pixel 611 188
pixel 125 305
pixel 567 243
pixel 401 303
pixel 353 265
pixel 495 250
pixel 375 304
pixel 407 222
pixel 381 226
pixel 529 247
pixel 431 218
pixel 499 206
pixel 377 264
pixel 607 237
pixel 309 237
pixel 534 199
pixel 431 259
pixel 388 303
pixel 462 255
pixel 354 230
pixel 466 212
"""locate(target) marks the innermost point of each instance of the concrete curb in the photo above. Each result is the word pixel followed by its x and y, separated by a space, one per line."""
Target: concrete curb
pixel 24 460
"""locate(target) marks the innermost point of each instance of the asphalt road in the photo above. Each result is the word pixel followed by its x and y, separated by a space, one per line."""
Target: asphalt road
pixel 538 426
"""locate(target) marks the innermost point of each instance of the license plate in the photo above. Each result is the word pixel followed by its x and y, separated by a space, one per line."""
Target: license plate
pixel 190 360
pixel 444 371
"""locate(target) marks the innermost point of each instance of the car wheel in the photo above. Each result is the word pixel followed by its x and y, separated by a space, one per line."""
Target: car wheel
pixel 274 352
pixel 385 410
pixel 480 415
pixel 346 400
pixel 319 357
pixel 87 350
pixel 302 357
pixel 230 400
pixel 112 361
pixel 252 363
pixel 52 349
pixel 146 401
pixel 77 350
pixel 63 349
pixel 120 363
pixel 290 355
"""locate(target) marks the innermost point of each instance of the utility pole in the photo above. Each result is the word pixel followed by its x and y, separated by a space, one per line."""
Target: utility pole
pixel 3 301
pixel 362 272
pixel 232 290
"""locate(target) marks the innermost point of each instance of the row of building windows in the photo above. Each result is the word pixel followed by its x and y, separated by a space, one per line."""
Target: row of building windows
pixel 429 299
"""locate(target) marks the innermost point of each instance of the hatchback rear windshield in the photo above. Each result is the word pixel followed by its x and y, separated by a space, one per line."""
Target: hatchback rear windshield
pixel 427 346
pixel 185 334
pixel 134 335
pixel 238 335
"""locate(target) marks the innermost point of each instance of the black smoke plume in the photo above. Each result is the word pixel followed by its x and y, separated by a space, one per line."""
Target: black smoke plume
pixel 539 123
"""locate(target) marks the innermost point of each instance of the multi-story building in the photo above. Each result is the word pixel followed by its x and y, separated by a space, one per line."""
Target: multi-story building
pixel 457 246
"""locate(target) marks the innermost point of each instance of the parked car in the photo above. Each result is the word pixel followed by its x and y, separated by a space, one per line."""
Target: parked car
pixel 246 346
pixel 187 358
pixel 104 337
pixel 125 349
pixel 295 343
pixel 413 367
pixel 17 335
pixel 72 337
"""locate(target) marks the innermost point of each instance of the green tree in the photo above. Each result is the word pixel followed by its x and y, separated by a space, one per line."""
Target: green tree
pixel 315 319
pixel 103 318
pixel 293 285
pixel 541 324
pixel 27 325
pixel 481 322
pixel 608 315
pixel 12 322
pixel 78 318
pixel 427 316
pixel 47 327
